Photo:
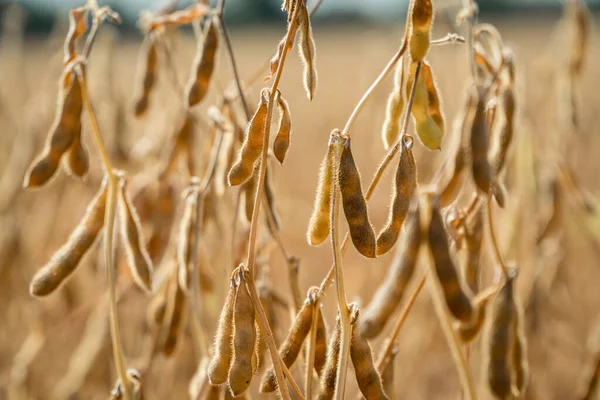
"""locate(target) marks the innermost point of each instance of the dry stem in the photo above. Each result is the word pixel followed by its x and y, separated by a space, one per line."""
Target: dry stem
pixel 109 220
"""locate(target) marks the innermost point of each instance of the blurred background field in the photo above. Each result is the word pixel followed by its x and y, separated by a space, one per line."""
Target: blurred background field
pixel 38 337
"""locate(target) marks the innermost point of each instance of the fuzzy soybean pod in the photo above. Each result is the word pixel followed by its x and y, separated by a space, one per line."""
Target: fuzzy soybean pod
pixel 77 160
pixel 203 64
pixel 66 125
pixel 148 64
pixel 176 314
pixel 186 239
pixel 218 369
pixel 405 186
pixel 457 299
pixel 421 19
pixel 249 188
pixel 467 331
pixel 320 219
pixel 66 259
pixel 77 28
pixel 242 169
pixel 291 346
pixel 367 377
pixel 131 232
pixel 480 166
pixel 428 131
pixel 320 344
pixel 329 374
pixel 355 205
pixel 307 51
pixel 434 105
pixel 393 109
pixel 282 140
pixel 389 294
pixel 501 339
pixel 244 340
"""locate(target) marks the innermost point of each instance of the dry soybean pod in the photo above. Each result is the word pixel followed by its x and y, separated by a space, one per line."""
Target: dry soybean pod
pixel 389 294
pixel 320 219
pixel 428 131
pixel 307 50
pixel 218 369
pixel 242 169
pixel 457 299
pixel 480 166
pixel 387 375
pixel 421 20
pixel 176 313
pixel 282 140
pixel 66 259
pixel 291 346
pixel 186 236
pixel 149 65
pixel 434 105
pixel 367 377
pixel 203 64
pixel 62 133
pixel 249 189
pixel 405 186
pixel 329 374
pixel 77 161
pixel 501 341
pixel 131 232
pixel 355 205
pixel 321 343
pixel 77 27
pixel 394 106
pixel 244 338
pixel 466 332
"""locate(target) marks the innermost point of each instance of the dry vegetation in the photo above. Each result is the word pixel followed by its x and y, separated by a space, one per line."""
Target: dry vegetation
pixel 469 272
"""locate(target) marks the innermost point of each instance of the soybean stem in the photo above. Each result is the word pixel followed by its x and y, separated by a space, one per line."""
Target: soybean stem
pixel 109 219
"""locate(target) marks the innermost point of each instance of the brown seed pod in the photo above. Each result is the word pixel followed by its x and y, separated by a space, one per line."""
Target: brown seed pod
pixel 77 161
pixel 131 232
pixel 213 393
pixel 204 64
pixel 473 238
pixel 421 20
pixel 218 369
pixel 389 294
pixel 307 50
pixel 148 67
pixel 291 346
pixel 355 205
pixel 394 106
pixel 318 227
pixel 249 188
pixel 367 377
pixel 66 126
pixel 282 140
pixel 244 339
pixel 77 28
pixel 457 297
pixel 186 237
pixel 387 375
pixel 505 136
pixel 179 17
pixel 481 170
pixel 66 259
pixel 405 186
pixel 175 316
pixel 501 341
pixel 320 344
pixel 329 375
pixel 428 131
pixel 434 105
pixel 241 171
